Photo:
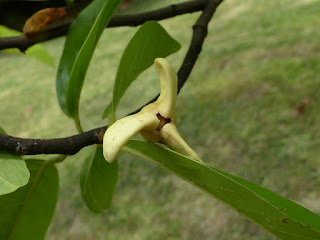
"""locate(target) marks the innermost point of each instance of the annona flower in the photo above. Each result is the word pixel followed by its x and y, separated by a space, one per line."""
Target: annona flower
pixel 156 121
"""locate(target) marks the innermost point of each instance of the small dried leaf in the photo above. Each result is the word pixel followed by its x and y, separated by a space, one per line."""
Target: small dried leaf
pixel 42 18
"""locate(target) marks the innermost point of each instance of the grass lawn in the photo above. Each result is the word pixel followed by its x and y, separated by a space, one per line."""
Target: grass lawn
pixel 260 61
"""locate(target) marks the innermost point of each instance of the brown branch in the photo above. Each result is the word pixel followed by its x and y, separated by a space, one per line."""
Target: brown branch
pixel 23 42
pixel 73 144
pixel 200 31
pixel 67 146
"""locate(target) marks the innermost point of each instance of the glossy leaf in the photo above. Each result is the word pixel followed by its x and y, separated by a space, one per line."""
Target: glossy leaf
pixel 98 181
pixel 149 42
pixel 36 51
pixel 280 216
pixel 27 212
pixel 13 172
pixel 82 39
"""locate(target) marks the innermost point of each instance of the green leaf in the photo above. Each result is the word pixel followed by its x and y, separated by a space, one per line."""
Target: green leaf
pixel 149 42
pixel 280 216
pixel 81 41
pixel 27 212
pixel 13 171
pixel 98 181
pixel 13 174
pixel 37 51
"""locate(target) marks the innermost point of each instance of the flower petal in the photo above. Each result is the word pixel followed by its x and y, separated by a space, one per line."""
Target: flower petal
pixel 122 130
pixel 169 83
pixel 171 137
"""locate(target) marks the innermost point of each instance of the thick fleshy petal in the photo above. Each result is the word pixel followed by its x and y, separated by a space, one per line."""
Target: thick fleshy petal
pixel 168 82
pixel 122 130
pixel 171 137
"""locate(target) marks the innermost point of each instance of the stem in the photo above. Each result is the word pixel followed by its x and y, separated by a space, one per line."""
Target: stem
pixel 78 123
pixel 112 116
pixel 23 43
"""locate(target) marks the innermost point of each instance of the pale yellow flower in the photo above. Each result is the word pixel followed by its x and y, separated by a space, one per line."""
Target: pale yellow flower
pixel 156 121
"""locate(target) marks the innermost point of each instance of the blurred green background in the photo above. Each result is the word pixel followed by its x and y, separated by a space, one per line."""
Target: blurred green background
pixel 250 108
